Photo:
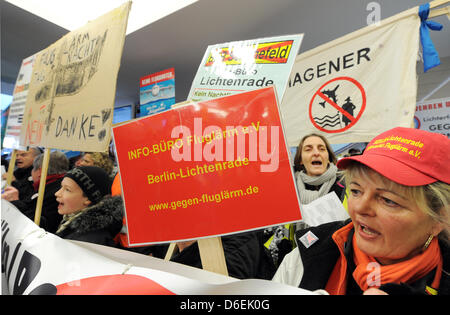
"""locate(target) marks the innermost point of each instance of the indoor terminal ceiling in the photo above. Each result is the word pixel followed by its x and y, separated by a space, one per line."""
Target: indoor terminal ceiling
pixel 180 39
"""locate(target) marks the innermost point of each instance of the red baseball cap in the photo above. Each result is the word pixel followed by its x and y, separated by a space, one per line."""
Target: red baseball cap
pixel 407 156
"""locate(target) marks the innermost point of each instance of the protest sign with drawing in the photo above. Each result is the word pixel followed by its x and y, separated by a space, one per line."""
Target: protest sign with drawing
pixel 357 86
pixel 72 90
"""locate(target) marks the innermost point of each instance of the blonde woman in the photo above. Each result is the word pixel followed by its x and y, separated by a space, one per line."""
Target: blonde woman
pixel 99 159
pixel 397 239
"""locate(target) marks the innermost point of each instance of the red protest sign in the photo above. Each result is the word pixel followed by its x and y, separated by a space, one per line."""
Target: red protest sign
pixel 206 169
pixel 157 77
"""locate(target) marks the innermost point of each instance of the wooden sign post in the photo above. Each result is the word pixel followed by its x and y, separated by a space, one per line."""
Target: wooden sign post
pixel 212 255
pixel 41 192
pixel 170 251
pixel 12 164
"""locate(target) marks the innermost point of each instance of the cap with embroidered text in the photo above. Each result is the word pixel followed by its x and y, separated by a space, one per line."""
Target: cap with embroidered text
pixel 407 156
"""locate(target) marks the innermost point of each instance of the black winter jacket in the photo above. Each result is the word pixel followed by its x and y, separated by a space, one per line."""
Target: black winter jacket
pixel 97 224
pixel 50 218
pixel 23 182
pixel 245 256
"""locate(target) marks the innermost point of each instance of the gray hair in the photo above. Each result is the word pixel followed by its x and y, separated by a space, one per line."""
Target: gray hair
pixel 58 164
pixel 36 151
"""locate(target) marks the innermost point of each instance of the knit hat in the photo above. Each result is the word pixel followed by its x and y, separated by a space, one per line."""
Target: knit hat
pixel 93 181
pixel 407 156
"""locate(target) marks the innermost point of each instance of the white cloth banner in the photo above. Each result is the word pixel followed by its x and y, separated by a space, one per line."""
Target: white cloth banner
pixel 357 86
pixel 37 262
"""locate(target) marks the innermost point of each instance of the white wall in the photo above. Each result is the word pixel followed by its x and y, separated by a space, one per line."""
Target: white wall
pixel 428 82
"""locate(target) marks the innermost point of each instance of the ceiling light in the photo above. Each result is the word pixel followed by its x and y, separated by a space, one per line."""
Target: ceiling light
pixel 71 15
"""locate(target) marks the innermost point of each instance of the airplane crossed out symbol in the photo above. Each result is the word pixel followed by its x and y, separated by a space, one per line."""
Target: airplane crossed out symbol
pixel 332 103
pixel 327 93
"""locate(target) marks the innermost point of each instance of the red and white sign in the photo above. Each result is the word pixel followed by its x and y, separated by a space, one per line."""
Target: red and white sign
pixel 324 112
pixel 158 77
pixel 39 263
pixel 206 169
pixel 357 86
pixel 433 116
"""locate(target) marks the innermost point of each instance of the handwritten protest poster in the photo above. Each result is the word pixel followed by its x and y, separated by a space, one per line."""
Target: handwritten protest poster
pixel 206 169
pixel 71 96
pixel 157 92
pixel 17 109
pixel 235 67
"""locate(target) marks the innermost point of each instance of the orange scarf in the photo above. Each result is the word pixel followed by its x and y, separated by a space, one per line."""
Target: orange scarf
pixel 368 273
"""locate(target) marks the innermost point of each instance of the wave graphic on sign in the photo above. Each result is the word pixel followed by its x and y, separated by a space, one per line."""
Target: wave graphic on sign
pixel 330 121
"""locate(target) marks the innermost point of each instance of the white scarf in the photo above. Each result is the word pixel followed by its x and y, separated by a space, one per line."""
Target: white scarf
pixel 327 180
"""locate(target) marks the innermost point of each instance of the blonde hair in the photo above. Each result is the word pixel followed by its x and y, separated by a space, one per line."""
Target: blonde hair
pixel 102 160
pixel 433 199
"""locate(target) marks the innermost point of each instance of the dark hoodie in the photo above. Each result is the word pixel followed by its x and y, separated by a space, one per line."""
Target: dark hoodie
pixel 97 224
pixel 23 182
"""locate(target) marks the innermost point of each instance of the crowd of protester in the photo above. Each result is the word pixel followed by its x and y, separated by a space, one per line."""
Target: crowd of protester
pixel 398 206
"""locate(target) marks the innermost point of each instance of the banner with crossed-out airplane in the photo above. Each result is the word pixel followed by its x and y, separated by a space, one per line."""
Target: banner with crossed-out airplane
pixel 357 86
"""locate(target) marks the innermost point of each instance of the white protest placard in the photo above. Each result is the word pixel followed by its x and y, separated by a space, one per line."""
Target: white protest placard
pixel 357 86
pixel 17 107
pixel 240 66
pixel 324 210
pixel 72 90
